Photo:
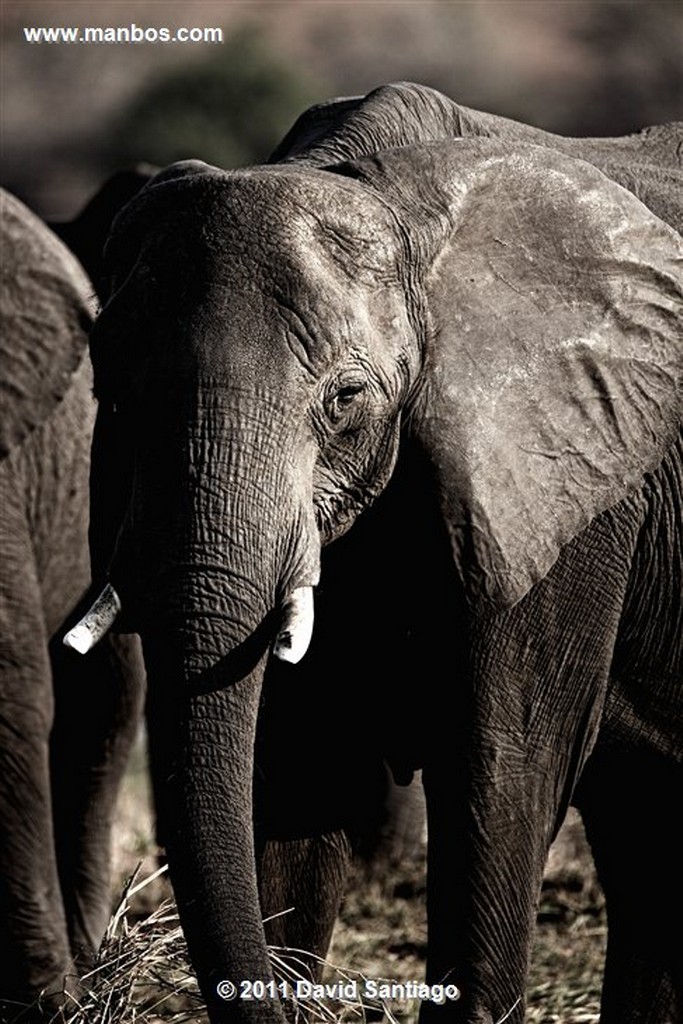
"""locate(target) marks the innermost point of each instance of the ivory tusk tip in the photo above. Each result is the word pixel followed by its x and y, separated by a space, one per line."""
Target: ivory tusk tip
pixel 80 639
pixel 285 650
pixel 92 627
pixel 296 628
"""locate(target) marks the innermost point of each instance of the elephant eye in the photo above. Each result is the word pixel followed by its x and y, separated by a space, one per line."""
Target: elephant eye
pixel 341 395
pixel 346 395
pixel 341 400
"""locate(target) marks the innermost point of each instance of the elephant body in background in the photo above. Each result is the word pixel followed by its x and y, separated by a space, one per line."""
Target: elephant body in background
pixel 437 378
pixel 647 163
pixel 66 725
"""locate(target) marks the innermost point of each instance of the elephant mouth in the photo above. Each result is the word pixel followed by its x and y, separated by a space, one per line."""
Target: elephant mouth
pixel 291 643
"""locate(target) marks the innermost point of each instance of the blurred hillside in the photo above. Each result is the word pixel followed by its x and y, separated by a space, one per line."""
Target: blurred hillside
pixel 73 113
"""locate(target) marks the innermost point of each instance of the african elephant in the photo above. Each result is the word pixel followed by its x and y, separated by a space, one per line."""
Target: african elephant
pixel 438 379
pixel 66 724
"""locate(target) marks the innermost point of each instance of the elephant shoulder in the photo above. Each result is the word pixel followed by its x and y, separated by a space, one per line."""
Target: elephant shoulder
pixel 313 126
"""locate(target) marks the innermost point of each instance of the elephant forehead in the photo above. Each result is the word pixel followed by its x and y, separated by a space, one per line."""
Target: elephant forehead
pixel 234 263
pixel 283 224
pixel 308 254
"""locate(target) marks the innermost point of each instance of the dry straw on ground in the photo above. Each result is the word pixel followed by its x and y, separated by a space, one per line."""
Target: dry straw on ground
pixel 143 976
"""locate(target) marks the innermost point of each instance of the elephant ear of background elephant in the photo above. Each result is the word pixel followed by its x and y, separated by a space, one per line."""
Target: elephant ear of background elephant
pixel 87 233
pixel 39 373
pixel 553 304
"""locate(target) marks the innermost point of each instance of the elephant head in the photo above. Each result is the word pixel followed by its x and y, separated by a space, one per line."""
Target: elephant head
pixel 274 336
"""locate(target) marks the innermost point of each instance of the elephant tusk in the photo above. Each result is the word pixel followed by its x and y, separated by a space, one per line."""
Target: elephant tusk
pixel 95 623
pixel 297 626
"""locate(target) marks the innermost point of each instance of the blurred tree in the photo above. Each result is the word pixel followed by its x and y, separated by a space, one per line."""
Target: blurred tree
pixel 229 110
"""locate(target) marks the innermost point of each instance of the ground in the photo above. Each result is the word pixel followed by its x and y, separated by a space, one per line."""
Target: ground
pixel 381 934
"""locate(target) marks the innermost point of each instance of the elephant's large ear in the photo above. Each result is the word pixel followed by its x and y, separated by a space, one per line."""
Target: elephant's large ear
pixel 144 217
pixel 553 350
pixel 115 356
pixel 47 309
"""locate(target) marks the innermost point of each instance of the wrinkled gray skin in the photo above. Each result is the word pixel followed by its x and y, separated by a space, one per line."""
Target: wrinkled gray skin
pixel 647 163
pixel 475 343
pixel 66 724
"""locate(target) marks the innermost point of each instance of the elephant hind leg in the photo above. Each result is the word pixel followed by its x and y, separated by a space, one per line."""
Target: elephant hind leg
pixel 301 884
pixel 627 803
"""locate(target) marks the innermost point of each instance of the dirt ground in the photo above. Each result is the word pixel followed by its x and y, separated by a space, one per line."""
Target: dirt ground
pixel 381 932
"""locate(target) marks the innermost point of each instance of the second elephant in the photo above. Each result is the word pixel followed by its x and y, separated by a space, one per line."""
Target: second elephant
pixel 66 725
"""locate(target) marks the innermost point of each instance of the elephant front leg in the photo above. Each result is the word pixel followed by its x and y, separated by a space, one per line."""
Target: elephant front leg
pixel 35 957
pixel 626 801
pixel 532 689
pixel 486 853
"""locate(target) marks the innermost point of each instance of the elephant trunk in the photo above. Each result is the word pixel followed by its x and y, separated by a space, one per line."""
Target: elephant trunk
pixel 204 692
pixel 217 555
pixel 201 751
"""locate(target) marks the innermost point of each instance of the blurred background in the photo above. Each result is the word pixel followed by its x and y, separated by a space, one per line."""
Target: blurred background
pixel 71 114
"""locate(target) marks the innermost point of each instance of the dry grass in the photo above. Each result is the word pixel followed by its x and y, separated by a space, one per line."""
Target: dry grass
pixel 566 973
pixel 143 976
